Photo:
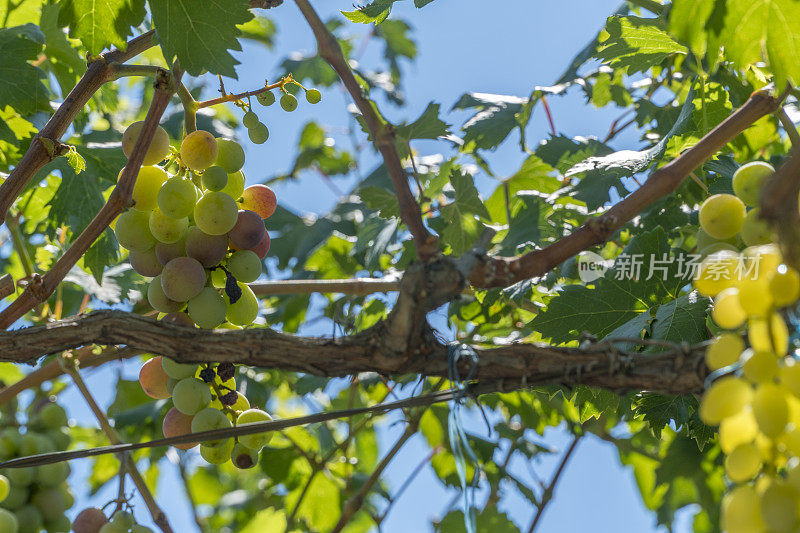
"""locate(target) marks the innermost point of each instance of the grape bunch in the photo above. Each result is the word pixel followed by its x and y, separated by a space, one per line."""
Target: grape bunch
pixel 94 520
pixel 204 397
pixel 755 401
pixel 35 498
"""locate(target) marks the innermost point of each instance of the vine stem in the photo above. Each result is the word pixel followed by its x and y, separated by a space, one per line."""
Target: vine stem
pixel 160 519
pixel 547 496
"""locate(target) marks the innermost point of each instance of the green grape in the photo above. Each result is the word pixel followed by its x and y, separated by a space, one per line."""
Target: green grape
pixel 771 409
pixel 215 178
pixel 50 503
pixel 210 250
pixel 259 133
pixel 5 487
pixel 177 197
pixel 243 457
pixel 717 272
pixel 207 309
pixel 259 440
pixel 177 370
pixel 61 438
pixel 741 511
pixel 158 299
pixel 727 311
pixel 743 463
pixel 230 155
pixel 267 98
pixel 123 519
pixel 153 379
pixel 22 476
pixel 145 189
pixel 199 150
pixel 249 119
pixel 176 424
pixel 768 334
pixel 721 215
pixel 759 367
pixel 313 96
pixel 288 102
pixel 216 213
pixel 779 506
pixel 784 286
pixel 748 180
pixel 8 522
pixel 761 261
pixel 241 404
pixel 146 263
pixel 59 525
pixel 717 247
pixel 754 296
pixel 133 231
pixel 704 240
pixel 245 310
pixel 191 395
pixel 165 229
pixel 159 145
pixel 53 416
pixel 244 265
pixel 53 474
pixel 235 185
pixel 790 376
pixel 218 278
pixel 209 419
pixel 183 278
pixel 724 351
pixel 138 528
pixel 113 528
pixel 724 398
pixel 18 497
pixel 216 455
pixel 755 230
pixel 29 518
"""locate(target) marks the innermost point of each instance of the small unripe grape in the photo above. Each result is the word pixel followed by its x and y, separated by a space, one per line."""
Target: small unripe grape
pixel 230 155
pixel 207 309
pixel 113 528
pixel 215 178
pixel 199 150
pixel 159 146
pixel 243 457
pixel 245 310
pixel 209 419
pixel 183 278
pixel 216 455
pixel 218 278
pixel 145 189
pixel 166 252
pixel 721 215
pixel 248 231
pixel 138 528
pixel 743 463
pixel 18 497
pixel 755 230
pixel 177 370
pixel 267 98
pixel 727 311
pixel 5 487
pixel 8 522
pixel 166 229
pixel 759 367
pixel 259 199
pixel 90 520
pixel 216 213
pixel 259 133
pixel 249 119
pixel 754 296
pixel 191 395
pixel 53 416
pixel 288 102
pixel 146 263
pixel 717 272
pixel 724 398
pixel 158 299
pixel 177 197
pixel 313 96
pixel 771 409
pixel 29 518
pixel 262 248
pixel 784 286
pixel 769 334
pixel 153 379
pixel 50 503
pixel 235 185
pixel 748 180
pixel 779 506
pixel 245 265
pixel 259 440
pixel 724 351
pixel 133 231
pixel 123 519
pixel 175 424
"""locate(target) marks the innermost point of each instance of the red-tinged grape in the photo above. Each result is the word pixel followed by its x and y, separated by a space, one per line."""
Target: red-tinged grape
pixel 230 155
pixel 133 231
pixel 199 150
pixel 177 370
pixel 181 319
pixel 190 396
pixel 748 179
pixel 215 178
pixel 90 520
pixel 166 229
pixel 159 145
pixel 166 252
pixel 177 197
pixel 208 249
pixel 248 231
pixel 245 265
pixel 9 523
pixel 182 279
pixel 721 215
pixel 245 310
pixel 176 423
pixel 146 263
pixel 259 440
pixel 259 133
pixel 243 457
pixel 262 249
pixel 216 455
pixel 216 213
pixel 261 199
pixel 235 185
pixel 158 299
pixel 209 419
pixel 207 309
pixel 153 379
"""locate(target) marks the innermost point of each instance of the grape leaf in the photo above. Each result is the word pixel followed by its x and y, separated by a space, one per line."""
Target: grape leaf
pixel 461 226
pixel 200 36
pixel 380 199
pixel 398 44
pixel 687 22
pixel 635 44
pixel 21 84
pixel 100 25
pixel 427 126
pixel 496 118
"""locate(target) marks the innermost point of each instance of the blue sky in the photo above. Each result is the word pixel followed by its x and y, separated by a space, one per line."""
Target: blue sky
pixel 495 47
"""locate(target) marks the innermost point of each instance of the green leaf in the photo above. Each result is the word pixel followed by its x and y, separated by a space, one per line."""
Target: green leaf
pixel 75 160
pixel 320 508
pixel 266 520
pixel 382 200
pixel 635 44
pixel 374 12
pixel 462 227
pixel 687 22
pixel 200 36
pixel 21 84
pixel 660 409
pixel 427 126
pixel 496 118
pixel 489 519
pixel 398 44
pixel 100 25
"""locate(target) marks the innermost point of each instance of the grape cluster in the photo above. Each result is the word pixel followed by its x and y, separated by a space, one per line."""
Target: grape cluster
pixel 93 520
pixel 33 499
pixel 756 400
pixel 204 397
